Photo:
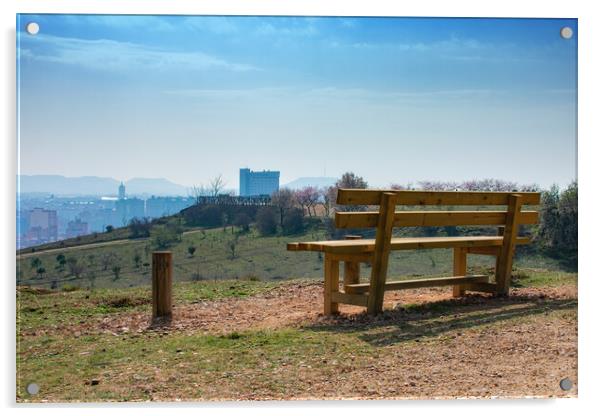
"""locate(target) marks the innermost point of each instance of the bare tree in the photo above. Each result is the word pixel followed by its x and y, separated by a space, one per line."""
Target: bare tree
pixel 77 270
pixel 400 187
pixel 91 276
pixel 137 259
pixel 231 246
pixel 116 270
pixel 329 199
pixel 72 265
pixel 197 191
pixel 216 185
pixel 284 200
pixel 107 259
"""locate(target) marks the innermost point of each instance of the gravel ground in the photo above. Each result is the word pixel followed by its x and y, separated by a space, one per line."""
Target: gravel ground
pixel 429 344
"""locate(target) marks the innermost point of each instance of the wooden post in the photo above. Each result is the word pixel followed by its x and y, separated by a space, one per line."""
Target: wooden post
pixel 331 284
pixel 382 248
pixel 503 271
pixel 352 268
pixel 459 269
pixel 162 281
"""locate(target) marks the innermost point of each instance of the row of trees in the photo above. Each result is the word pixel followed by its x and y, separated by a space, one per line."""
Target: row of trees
pixel 557 234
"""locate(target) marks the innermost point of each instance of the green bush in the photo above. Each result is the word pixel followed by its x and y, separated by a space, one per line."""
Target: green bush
pixel 557 233
pixel 267 222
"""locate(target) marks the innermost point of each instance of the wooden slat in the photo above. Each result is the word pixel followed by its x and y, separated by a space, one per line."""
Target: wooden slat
pixel 352 257
pixel 344 247
pixel 487 251
pixel 432 218
pixel 350 299
pixel 418 283
pixel 482 287
pixel 382 247
pixel 292 246
pixel 372 197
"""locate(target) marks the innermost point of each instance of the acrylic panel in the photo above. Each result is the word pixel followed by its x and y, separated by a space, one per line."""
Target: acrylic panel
pixel 221 208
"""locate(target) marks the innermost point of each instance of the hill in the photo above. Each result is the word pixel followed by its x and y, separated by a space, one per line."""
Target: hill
pixel 94 185
pixel 316 181
pixel 255 257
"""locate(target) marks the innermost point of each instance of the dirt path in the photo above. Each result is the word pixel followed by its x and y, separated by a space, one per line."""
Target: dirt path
pixel 80 247
pixel 425 345
pixel 300 304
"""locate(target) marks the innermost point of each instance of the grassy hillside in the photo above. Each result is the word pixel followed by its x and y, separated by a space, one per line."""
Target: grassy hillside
pixel 94 238
pixel 255 257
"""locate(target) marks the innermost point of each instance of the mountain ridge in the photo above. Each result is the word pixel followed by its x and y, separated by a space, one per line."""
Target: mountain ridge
pixel 97 185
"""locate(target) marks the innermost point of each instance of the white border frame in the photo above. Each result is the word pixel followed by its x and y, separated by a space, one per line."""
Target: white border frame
pixel 590 28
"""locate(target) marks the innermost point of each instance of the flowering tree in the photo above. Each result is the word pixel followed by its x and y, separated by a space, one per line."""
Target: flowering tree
pixel 308 198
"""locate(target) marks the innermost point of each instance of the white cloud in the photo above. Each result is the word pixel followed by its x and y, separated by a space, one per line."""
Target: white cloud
pixel 304 27
pixel 334 94
pixel 139 22
pixel 105 54
pixel 219 25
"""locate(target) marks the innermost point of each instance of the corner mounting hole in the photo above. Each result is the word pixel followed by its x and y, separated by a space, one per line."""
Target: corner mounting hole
pixel 32 28
pixel 33 388
pixel 566 384
pixel 566 32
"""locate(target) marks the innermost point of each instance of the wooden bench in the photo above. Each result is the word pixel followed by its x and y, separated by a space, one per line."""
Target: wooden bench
pixel 355 250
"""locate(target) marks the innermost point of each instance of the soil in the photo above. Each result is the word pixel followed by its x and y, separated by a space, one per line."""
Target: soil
pixel 447 351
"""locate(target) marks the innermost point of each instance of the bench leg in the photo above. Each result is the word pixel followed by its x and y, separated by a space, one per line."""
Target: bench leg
pixel 382 248
pixel 503 271
pixel 352 268
pixel 351 273
pixel 331 284
pixel 459 269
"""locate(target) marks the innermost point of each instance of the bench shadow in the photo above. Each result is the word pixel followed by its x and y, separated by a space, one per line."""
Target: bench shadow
pixel 420 322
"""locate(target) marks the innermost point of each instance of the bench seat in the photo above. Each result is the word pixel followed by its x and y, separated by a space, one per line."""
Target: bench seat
pixel 403 243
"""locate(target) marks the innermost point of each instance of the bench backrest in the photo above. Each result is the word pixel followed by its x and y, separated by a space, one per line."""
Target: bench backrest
pixel 434 218
pixel 386 218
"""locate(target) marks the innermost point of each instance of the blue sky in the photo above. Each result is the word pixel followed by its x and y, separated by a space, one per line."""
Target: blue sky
pixel 395 100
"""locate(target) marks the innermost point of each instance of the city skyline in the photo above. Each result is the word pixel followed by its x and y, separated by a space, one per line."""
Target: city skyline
pixel 187 98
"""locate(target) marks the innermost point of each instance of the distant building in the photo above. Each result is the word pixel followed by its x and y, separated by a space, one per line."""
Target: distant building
pixel 129 208
pixel 121 191
pixel 76 228
pixel 43 226
pixel 258 183
pixel 162 206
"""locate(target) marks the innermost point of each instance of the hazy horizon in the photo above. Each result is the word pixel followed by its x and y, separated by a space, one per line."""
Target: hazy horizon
pixel 395 100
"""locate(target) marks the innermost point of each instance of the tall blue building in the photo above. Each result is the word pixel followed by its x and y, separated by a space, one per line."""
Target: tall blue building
pixel 252 183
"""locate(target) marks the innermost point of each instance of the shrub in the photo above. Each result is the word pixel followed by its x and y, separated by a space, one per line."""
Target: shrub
pixel 243 221
pixel 164 237
pixel 140 227
pixel 203 216
pixel 557 234
pixel 293 221
pixel 70 288
pixel 266 221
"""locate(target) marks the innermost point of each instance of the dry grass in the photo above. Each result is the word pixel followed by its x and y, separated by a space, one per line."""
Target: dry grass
pixel 276 345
